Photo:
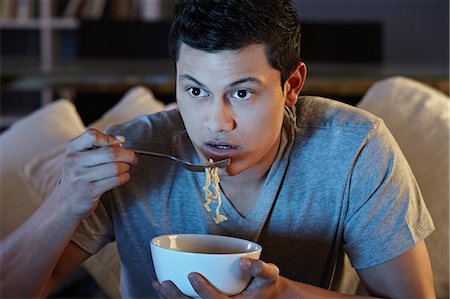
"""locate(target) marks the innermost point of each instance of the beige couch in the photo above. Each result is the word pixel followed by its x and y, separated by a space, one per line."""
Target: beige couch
pixel 418 117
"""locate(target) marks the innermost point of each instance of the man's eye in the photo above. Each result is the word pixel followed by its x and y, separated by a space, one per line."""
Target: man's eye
pixel 241 94
pixel 197 92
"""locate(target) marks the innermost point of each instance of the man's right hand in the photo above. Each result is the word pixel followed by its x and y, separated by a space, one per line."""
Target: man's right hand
pixel 94 163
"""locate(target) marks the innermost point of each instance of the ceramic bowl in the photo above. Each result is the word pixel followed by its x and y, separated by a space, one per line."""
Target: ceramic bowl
pixel 215 257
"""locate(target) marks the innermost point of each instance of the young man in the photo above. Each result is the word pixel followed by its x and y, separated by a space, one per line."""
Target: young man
pixel 309 178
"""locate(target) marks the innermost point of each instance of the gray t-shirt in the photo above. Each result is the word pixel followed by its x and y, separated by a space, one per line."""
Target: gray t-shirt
pixel 339 184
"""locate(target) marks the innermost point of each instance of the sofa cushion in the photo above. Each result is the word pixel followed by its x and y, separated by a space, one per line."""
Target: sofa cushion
pixel 418 117
pixel 41 131
pixel 136 101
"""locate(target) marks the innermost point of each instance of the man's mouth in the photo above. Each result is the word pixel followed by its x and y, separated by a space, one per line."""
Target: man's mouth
pixel 222 146
pixel 220 150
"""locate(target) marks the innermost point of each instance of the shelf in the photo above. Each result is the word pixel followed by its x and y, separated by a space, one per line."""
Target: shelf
pixel 61 23
pixel 353 80
pixel 55 24
pixel 20 24
pixel 19 66
pixel 99 75
pixel 337 80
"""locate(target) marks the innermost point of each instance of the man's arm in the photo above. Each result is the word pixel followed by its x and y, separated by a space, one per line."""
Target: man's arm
pixel 407 276
pixel 39 253
pixel 29 255
pixel 72 257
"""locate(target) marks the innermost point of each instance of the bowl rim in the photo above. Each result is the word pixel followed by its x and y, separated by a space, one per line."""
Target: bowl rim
pixel 258 247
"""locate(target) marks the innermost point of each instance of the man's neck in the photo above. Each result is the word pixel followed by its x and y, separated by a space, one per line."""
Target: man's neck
pixel 243 189
pixel 243 195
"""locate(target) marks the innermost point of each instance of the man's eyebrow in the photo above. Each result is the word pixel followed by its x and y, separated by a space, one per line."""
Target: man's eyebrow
pixel 240 81
pixel 247 79
pixel 190 78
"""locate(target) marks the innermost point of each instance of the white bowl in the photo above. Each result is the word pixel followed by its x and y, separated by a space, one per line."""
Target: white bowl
pixel 215 257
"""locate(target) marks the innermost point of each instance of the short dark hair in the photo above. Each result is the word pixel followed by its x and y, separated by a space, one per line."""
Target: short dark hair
pixel 216 25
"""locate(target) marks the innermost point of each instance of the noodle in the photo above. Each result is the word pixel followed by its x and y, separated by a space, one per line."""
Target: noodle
pixel 212 180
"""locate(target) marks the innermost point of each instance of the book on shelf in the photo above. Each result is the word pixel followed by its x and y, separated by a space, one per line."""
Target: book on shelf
pixel 72 8
pixel 85 9
pixel 93 9
pixel 118 10
pixel 25 9
pixel 7 9
pixel 150 10
pixel 18 10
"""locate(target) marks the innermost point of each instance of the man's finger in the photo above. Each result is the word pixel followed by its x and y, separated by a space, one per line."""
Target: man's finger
pixel 92 138
pixel 203 287
pixel 105 171
pixel 168 289
pixel 102 155
pixel 259 269
pixel 97 188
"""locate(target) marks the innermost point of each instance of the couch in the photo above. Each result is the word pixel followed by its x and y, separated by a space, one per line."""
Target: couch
pixel 32 150
pixel 418 117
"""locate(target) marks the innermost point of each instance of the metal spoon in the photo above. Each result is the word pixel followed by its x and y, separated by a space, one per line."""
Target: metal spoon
pixel 188 165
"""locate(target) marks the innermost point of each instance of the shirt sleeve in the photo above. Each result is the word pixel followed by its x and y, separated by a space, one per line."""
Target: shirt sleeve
pixel 96 230
pixel 387 215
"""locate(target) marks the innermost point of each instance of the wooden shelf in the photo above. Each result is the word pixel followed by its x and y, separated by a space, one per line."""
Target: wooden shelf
pixel 98 75
pixel 61 24
pixel 20 24
pixel 52 24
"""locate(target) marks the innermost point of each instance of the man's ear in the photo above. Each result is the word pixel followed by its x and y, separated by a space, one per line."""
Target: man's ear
pixel 294 84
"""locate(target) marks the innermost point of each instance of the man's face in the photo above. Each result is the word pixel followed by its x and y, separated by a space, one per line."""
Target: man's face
pixel 232 105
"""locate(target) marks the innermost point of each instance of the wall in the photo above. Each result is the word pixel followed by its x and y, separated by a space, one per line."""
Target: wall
pixel 414 31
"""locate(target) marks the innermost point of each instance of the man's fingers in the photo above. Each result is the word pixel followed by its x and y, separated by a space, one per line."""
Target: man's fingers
pixel 104 171
pixel 259 269
pixel 92 138
pixel 203 287
pixel 102 155
pixel 168 289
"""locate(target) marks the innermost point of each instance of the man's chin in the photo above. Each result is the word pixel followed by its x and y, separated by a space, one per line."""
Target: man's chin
pixel 231 170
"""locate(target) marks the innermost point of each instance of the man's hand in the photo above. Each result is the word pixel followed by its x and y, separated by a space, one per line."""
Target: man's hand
pixel 94 163
pixel 266 283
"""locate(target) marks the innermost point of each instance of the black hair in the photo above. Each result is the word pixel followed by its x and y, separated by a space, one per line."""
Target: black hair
pixel 216 25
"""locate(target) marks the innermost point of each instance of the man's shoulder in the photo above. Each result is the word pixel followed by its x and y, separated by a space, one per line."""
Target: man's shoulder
pixel 319 112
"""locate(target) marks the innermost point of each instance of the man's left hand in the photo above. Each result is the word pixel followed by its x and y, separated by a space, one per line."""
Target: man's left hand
pixel 265 283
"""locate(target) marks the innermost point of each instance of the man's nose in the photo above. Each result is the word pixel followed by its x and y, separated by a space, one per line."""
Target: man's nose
pixel 220 117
